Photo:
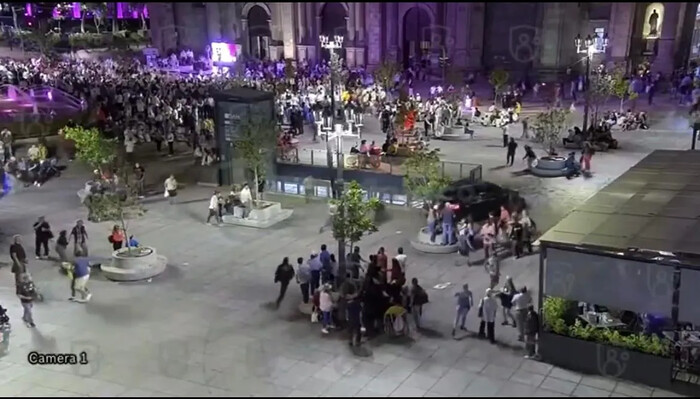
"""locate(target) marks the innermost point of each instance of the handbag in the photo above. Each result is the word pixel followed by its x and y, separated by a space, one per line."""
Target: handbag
pixel 166 194
pixel 314 317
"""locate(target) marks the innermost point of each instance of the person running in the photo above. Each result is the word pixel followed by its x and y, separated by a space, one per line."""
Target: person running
pixel 19 259
pixel 62 246
pixel 79 236
pixel 170 189
pixel 81 275
pixel 27 293
pixel 42 235
pixel 214 208
pixel 303 276
pixel 283 275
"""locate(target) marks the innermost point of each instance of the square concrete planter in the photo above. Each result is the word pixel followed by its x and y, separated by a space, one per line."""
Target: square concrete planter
pixel 606 360
pixel 269 214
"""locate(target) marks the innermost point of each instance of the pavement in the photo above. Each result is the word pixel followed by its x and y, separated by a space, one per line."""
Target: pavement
pixel 204 327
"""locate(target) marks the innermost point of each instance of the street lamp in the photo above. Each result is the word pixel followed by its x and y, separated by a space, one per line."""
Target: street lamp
pixel 339 133
pixel 589 46
pixel 331 46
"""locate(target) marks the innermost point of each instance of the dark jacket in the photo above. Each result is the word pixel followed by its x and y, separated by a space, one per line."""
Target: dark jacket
pixel 284 273
pixel 532 323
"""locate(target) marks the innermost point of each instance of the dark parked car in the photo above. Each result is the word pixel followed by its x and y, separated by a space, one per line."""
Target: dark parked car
pixel 479 199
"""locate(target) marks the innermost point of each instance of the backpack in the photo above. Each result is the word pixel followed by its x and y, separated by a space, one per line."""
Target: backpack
pixel 421 297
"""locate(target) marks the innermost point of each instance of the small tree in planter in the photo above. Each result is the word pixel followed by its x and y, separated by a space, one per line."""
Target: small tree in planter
pixel 600 88
pixel 254 144
pixel 101 153
pixel 549 126
pixel 498 79
pixel 423 179
pixel 353 219
pixel 621 88
pixel 453 105
pixel 384 74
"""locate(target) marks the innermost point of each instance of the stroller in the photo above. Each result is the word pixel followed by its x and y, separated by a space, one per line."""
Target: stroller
pixel 395 321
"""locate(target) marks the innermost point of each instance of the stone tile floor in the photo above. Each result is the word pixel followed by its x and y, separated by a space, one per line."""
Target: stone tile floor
pixel 202 328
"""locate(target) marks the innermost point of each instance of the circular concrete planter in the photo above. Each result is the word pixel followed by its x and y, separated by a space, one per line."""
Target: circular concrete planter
pixel 549 167
pixel 456 133
pixel 422 243
pixel 139 263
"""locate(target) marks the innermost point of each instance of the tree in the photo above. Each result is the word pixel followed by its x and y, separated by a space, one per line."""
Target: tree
pixel 423 179
pixel 16 9
pixel 621 87
pixel 385 72
pixel 117 202
pixel 254 144
pixel 83 14
pixel 600 88
pixel 353 219
pixel 498 79
pixel 548 127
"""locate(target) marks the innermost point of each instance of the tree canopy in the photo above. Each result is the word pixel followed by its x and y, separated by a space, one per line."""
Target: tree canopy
pixel 423 179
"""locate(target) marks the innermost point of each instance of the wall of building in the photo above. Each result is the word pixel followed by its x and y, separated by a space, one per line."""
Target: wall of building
pixel 519 37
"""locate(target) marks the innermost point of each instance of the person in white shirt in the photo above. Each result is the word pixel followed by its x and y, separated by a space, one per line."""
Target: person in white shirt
pixel 170 189
pixel 401 258
pixel 488 307
pixel 325 305
pixel 33 152
pixel 521 301
pixel 246 199
pixel 214 208
pixel 129 143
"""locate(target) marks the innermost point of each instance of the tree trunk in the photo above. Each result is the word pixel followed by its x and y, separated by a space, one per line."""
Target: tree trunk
pixel 622 102
pixel 144 27
pixel 97 25
pixel 257 194
pixel 82 22
pixel 115 25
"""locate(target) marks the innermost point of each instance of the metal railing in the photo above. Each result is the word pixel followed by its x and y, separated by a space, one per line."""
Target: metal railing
pixel 388 165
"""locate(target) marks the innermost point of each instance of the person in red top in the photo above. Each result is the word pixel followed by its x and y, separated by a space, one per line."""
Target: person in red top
pixel 382 260
pixel 117 238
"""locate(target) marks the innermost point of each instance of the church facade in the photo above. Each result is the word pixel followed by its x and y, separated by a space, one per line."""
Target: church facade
pixel 520 37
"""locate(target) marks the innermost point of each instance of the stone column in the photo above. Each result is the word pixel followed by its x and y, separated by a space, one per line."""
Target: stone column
pixel 392 30
pixel 620 31
pixel 244 38
pixel 360 21
pixel 350 25
pixel 550 37
pixel 315 37
pixel 457 33
pixel 373 24
pixel 475 35
pixel 213 13
pixel 227 19
pixel 285 12
pixel 300 9
pixel 664 61
pixel 310 10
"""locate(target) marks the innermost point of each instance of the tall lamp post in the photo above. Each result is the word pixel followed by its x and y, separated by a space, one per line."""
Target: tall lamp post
pixel 332 46
pixel 589 46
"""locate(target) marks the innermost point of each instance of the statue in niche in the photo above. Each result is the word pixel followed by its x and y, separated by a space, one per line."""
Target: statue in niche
pixel 654 23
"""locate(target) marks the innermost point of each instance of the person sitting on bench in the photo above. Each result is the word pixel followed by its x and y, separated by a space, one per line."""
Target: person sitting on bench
pixel 572 168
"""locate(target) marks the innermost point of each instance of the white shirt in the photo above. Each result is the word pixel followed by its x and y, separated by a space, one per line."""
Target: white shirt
pixel 325 302
pixel 489 309
pixel 521 301
pixel 214 202
pixel 170 184
pixel 402 261
pixel 245 195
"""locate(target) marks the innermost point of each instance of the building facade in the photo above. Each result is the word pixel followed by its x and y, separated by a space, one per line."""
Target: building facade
pixel 520 37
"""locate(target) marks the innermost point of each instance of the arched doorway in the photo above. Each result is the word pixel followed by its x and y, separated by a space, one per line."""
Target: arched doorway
pixel 416 30
pixel 259 32
pixel 334 23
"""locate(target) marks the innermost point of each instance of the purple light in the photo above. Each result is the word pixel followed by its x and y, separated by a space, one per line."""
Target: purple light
pixel 145 11
pixel 56 14
pixel 134 13
pixel 76 10
pixel 224 53
pixel 28 10
pixel 120 10
pixel 50 95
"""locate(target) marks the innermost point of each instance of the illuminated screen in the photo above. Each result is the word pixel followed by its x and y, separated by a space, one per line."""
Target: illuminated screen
pixel 223 53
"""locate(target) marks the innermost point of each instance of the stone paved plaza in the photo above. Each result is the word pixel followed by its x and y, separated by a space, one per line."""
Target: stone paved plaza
pixel 203 327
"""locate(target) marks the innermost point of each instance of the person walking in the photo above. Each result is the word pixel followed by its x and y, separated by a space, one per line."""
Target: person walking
pixel 532 329
pixel 27 293
pixel 62 246
pixel 504 130
pixel 170 189
pixel 418 298
pixel 214 208
pixel 465 302
pixel 42 235
pixel 19 259
pixel 116 238
pixel 488 307
pixel 81 275
pixel 506 295
pixel 325 305
pixel 79 236
pixel 510 154
pixel 521 302
pixel 140 179
pixel 303 279
pixel 354 311
pixel 525 124
pixel 283 275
